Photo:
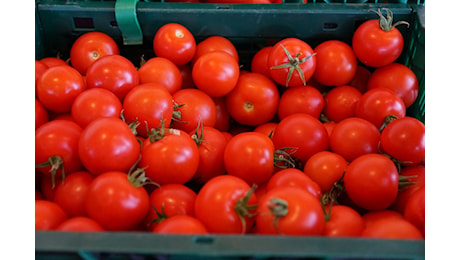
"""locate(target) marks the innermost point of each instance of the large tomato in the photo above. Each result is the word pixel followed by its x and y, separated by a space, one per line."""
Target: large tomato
pixel 174 42
pixel 340 103
pixel 325 168
pixel 71 194
pixel 163 71
pixel 215 43
pixel 302 99
pixel 48 215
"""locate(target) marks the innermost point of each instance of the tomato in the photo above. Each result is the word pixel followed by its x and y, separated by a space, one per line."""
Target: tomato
pixel 149 104
pixel 259 62
pixel 71 194
pixel 80 224
pixel 289 211
pixel 40 68
pixel 215 43
pixel 187 79
pixel 116 201
pixel 222 115
pixel 226 205
pixel 170 158
pixel 254 100
pixel 371 181
pixel 216 73
pixel 195 108
pixel 375 215
pixel 54 61
pixel 108 144
pixel 292 177
pixel 302 99
pixel 343 221
pixel 113 72
pixel 398 78
pixel 41 114
pixel 94 103
pixel 415 175
pixel 336 63
pixel 329 127
pixel 163 71
pixel 414 211
pixel 325 168
pixel 353 137
pixel 48 187
pixel 90 47
pixel 361 79
pixel 291 62
pixel 56 148
pixel 340 103
pixel 392 228
pixel 180 224
pixel 266 128
pixel 58 87
pixel 48 215
pixel 378 42
pixel 303 134
pixel 404 140
pixel 174 42
pixel 250 156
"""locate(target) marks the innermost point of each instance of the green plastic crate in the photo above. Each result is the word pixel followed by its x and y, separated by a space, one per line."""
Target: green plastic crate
pixel 133 24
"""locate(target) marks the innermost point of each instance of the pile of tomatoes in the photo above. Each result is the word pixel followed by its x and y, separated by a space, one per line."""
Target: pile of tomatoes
pixel 307 141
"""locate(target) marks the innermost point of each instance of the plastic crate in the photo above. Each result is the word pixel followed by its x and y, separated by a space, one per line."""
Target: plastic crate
pixel 133 23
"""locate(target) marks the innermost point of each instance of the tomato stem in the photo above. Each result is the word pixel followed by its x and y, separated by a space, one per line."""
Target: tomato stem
pixel 278 208
pixel 386 23
pixel 56 163
pixel 138 178
pixel 283 159
pixel 242 208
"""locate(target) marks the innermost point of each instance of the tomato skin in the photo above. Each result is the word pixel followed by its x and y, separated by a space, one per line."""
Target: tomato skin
pixel 259 61
pixel 302 99
pixel 53 62
pixel 254 100
pixel 174 42
pixel 340 103
pixel 414 211
pixel 163 71
pixel 305 216
pixel 40 68
pixel 361 79
pixel 41 114
pixel 90 47
pixel 414 174
pixel 48 215
pixel 344 221
pixel 215 43
pixel 267 128
pixel 375 215
pixel 222 115
pixel 336 63
pixel 180 224
pixel 71 194
pixel 80 224
pixel 215 205
pixel 329 127
pixel 292 177
pixel 58 87
pixel 371 181
pixel 115 203
pixel 107 144
pixel 392 228
pixel 404 140
pixel 325 168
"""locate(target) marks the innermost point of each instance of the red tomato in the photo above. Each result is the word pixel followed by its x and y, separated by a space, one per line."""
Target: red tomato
pixel 353 137
pixel 292 177
pixel 41 114
pixel 71 194
pixel 94 103
pixel 336 63
pixel 392 228
pixel 58 87
pixel 343 221
pixel 113 72
pixel 414 211
pixel 40 68
pixel 174 42
pixel 404 140
pixel 163 71
pixel 90 47
pixel 195 108
pixel 361 78
pixel 117 201
pixel 302 99
pixel 38 195
pixel 215 43
pixel 416 176
pixel 371 181
pixel 325 168
pixel 226 205
pixel 254 100
pixel 222 115
pixel 149 104
pixel 180 224
pixel 375 215
pixel 216 73
pixel 268 128
pixel 54 61
pixel 80 224
pixel 289 211
pixel 187 79
pixel 377 42
pixel 398 78
pixel 259 62
pixel 48 187
pixel 108 144
pixel 291 62
pixel 48 215
pixel 329 127
pixel 340 103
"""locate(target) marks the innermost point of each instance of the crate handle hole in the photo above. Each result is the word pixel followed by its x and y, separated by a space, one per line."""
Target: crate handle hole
pixel 83 22
pixel 203 240
pixel 330 26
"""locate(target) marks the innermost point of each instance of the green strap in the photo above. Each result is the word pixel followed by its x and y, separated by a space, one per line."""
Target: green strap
pixel 126 16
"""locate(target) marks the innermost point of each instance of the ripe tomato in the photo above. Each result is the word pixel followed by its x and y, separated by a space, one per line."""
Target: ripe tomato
pixel 48 187
pixel 54 61
pixel 80 224
pixel 302 99
pixel 195 108
pixel 250 156
pixel 41 114
pixel 268 128
pixel 254 100
pixel 108 144
pixel 336 63
pixel 58 87
pixel 361 78
pixel 378 42
pixel 222 115
pixel 329 127
pixel 291 62
pixel 113 72
pixel 259 62
pixel 215 43
pixel 343 221
pixel 40 68
pixel 340 103
pixel 90 47
pixel 289 211
pixel 216 73
pixel 226 204
pixel 117 201
pixel 180 224
pixel 292 177
pixel 163 71
pixel 375 215
pixel 325 168
pixel 71 194
pixel 149 104
pixel 416 176
pixel 392 228
pixel 371 181
pixel 414 211
pixel 174 42
pixel 94 103
pixel 187 79
pixel 398 78
pixel 48 215
pixel 404 140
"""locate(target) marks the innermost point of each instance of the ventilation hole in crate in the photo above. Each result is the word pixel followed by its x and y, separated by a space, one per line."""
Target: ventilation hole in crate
pixel 330 26
pixel 83 23
pixel 203 240
pixel 113 23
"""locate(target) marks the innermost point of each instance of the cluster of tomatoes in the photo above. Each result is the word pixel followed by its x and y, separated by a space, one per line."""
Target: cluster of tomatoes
pixel 308 141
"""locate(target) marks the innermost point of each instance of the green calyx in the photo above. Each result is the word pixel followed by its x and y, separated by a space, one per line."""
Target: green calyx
pixel 242 208
pixel 56 163
pixel 386 23
pixel 278 208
